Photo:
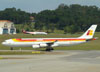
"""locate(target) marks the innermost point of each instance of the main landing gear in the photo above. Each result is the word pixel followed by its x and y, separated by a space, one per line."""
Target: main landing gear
pixel 49 49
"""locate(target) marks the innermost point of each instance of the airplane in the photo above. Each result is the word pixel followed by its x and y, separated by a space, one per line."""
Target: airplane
pixel 34 33
pixel 49 43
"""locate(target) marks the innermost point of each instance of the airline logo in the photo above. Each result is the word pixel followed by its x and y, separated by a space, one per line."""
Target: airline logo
pixel 90 32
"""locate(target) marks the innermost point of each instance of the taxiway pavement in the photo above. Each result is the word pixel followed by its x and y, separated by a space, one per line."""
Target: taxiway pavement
pixel 56 61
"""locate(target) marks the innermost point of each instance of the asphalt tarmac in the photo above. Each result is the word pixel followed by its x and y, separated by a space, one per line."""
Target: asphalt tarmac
pixel 56 61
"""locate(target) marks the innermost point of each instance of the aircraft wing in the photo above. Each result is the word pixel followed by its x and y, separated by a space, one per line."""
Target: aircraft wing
pixel 51 43
pixel 47 45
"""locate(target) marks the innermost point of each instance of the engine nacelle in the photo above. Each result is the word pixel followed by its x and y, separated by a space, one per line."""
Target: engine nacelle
pixel 39 45
pixel 35 46
pixel 43 45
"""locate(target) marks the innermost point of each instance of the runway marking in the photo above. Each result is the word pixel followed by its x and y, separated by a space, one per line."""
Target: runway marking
pixel 36 52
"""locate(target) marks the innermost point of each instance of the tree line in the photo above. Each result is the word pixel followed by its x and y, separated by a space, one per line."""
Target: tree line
pixel 69 18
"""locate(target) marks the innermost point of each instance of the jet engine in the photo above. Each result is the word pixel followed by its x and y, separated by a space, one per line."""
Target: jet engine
pixel 39 45
pixel 35 46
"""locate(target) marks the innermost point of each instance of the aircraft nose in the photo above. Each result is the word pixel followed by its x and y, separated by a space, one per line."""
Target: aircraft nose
pixel 3 43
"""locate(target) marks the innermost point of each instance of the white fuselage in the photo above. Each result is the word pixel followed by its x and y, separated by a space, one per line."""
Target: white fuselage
pixel 36 33
pixel 29 42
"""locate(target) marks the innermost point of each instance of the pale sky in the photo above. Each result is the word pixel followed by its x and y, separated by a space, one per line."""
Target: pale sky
pixel 39 5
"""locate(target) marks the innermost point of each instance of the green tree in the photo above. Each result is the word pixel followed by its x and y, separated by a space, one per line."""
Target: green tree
pixel 71 29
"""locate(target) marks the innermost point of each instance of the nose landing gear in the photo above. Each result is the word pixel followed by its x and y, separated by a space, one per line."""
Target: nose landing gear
pixel 11 48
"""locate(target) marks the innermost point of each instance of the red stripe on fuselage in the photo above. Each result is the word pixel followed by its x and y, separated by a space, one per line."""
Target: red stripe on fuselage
pixel 49 39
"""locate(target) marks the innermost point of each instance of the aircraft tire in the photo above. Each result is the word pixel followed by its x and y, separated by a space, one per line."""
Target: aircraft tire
pixel 11 48
pixel 48 49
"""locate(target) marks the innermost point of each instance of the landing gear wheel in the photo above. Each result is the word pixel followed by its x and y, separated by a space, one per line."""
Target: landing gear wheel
pixel 11 48
pixel 52 48
pixel 49 49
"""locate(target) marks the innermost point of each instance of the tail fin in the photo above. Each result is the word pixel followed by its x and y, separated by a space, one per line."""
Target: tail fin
pixel 23 31
pixel 89 33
